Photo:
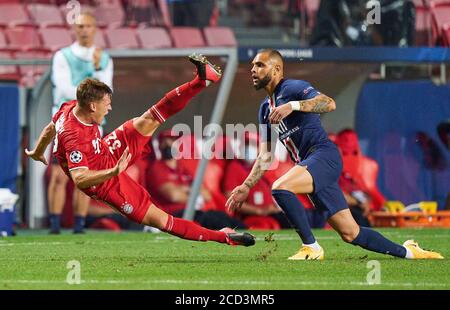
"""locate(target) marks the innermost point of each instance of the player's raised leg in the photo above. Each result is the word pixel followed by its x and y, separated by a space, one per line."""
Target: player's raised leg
pixel 175 100
pixel 297 181
pixel 189 230
pixel 372 240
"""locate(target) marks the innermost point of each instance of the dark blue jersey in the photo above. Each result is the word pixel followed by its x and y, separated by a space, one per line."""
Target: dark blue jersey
pixel 299 131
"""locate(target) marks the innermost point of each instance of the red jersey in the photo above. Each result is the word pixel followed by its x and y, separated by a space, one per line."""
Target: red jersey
pixel 78 144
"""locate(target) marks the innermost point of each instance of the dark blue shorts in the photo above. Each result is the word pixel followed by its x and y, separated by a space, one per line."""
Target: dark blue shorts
pixel 324 163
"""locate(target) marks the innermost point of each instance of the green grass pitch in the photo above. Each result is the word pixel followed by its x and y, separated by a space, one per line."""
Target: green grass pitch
pixel 159 261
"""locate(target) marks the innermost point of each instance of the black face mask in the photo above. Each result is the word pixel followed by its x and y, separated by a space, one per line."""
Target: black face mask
pixel 166 153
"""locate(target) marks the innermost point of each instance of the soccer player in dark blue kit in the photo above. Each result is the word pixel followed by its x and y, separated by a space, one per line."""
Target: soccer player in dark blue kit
pixel 292 109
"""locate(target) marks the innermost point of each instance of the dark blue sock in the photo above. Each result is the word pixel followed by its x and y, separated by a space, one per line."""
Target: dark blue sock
pixel 79 224
pixel 295 212
pixel 55 223
pixel 372 240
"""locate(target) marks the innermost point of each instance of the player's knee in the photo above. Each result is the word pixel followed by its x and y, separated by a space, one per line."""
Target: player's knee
pixel 59 178
pixel 280 185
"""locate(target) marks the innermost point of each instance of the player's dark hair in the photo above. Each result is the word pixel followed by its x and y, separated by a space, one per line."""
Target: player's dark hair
pixel 91 90
pixel 273 53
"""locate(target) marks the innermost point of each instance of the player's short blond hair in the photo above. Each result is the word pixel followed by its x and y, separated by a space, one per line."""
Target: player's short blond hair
pixel 91 90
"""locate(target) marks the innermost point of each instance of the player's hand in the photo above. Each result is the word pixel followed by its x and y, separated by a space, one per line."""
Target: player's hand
pixel 36 157
pixel 238 196
pixel 97 57
pixel 123 162
pixel 279 113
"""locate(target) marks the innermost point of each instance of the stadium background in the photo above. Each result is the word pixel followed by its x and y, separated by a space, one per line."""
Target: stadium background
pixel 387 94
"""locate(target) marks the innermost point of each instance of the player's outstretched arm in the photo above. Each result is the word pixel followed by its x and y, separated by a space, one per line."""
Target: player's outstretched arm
pixel 319 104
pixel 240 194
pixel 85 178
pixel 45 138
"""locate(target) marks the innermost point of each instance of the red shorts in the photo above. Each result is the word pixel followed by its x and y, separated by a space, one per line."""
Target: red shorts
pixel 127 136
pixel 122 192
pixel 125 195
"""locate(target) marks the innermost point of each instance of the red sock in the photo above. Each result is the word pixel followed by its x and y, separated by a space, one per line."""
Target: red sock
pixel 175 100
pixel 191 231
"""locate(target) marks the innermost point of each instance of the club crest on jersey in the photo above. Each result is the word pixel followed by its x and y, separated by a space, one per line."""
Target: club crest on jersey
pixel 127 208
pixel 76 157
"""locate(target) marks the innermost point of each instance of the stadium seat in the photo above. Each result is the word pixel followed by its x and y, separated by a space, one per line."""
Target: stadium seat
pixel 32 70
pixel 8 72
pixel 428 206
pixel 423 23
pixel 154 38
pixel 394 206
pixel 109 13
pixel 186 37
pixel 219 36
pixel 3 42
pixel 23 38
pixel 122 38
pixel 446 34
pixel 85 9
pixel 46 15
pixel 55 38
pixel 440 12
pixel 13 14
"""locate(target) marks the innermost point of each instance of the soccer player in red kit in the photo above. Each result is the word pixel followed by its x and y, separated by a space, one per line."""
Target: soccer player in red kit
pixel 97 165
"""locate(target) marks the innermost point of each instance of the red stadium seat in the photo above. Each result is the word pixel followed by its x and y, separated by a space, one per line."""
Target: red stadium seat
pixel 440 12
pixel 446 34
pixel 423 23
pixel 154 38
pixel 109 13
pixel 46 15
pixel 34 69
pixel 55 38
pixel 23 38
pixel 186 37
pixel 13 14
pixel 219 36
pixel 122 38
pixel 8 72
pixel 3 42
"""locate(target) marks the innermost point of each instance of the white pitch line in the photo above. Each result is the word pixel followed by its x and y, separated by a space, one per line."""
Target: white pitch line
pixel 173 239
pixel 246 282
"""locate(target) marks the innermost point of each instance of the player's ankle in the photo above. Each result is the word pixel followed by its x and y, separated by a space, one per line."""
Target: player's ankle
pixel 315 246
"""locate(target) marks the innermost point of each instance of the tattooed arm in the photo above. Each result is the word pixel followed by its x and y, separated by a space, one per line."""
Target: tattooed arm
pixel 319 104
pixel 240 194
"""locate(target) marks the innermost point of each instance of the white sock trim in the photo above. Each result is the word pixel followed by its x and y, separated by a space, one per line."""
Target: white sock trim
pixel 315 246
pixel 409 254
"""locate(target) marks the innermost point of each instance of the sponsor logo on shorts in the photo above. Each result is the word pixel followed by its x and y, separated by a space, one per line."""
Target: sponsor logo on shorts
pixel 127 208
pixel 76 157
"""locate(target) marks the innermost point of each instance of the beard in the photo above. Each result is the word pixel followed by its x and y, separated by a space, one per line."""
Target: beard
pixel 263 82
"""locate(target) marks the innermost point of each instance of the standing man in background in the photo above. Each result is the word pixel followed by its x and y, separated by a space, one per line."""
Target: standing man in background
pixel 71 65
